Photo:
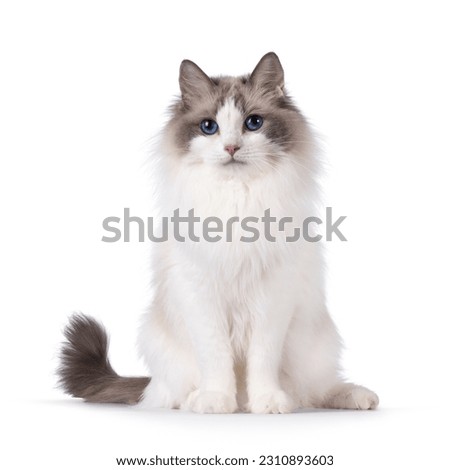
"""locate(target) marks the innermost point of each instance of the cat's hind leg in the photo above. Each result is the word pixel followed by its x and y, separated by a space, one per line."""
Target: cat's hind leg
pixel 313 371
pixel 350 396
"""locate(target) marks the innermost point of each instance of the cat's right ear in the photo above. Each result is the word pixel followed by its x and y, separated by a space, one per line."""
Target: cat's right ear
pixel 194 83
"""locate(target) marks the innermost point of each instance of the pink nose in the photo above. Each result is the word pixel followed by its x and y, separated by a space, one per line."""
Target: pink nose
pixel 231 149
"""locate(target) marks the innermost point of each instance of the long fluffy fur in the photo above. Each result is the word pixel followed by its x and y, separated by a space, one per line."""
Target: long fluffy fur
pixel 85 371
pixel 232 326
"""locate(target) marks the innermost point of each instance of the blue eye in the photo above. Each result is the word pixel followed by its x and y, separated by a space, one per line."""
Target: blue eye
pixel 254 122
pixel 209 127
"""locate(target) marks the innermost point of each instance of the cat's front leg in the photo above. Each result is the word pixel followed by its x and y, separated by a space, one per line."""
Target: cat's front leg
pixel 263 386
pixel 217 389
pixel 209 332
pixel 269 330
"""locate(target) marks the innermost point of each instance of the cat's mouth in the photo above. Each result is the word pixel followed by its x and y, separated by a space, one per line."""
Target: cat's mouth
pixel 233 161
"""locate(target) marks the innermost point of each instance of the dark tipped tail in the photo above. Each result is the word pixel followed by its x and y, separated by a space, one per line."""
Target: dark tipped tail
pixel 85 371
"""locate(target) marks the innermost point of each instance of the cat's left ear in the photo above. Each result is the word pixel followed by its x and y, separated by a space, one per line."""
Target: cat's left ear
pixel 268 73
pixel 194 83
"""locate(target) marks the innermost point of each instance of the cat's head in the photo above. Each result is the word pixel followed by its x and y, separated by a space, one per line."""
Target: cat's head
pixel 238 125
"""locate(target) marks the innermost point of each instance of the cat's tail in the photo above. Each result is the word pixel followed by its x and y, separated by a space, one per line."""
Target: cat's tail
pixel 85 371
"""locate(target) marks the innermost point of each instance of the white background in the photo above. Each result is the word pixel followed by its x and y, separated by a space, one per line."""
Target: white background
pixel 84 86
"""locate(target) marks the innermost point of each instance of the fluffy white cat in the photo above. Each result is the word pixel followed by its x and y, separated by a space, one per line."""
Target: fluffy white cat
pixel 233 325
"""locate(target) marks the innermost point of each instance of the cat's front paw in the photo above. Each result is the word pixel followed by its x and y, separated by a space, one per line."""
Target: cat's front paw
pixel 276 401
pixel 203 401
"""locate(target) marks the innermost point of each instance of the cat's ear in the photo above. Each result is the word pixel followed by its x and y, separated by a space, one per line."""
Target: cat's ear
pixel 194 83
pixel 268 73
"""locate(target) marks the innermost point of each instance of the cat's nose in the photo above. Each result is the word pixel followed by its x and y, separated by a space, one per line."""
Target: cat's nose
pixel 231 149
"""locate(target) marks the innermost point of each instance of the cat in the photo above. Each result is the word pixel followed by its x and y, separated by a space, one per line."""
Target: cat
pixel 232 325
